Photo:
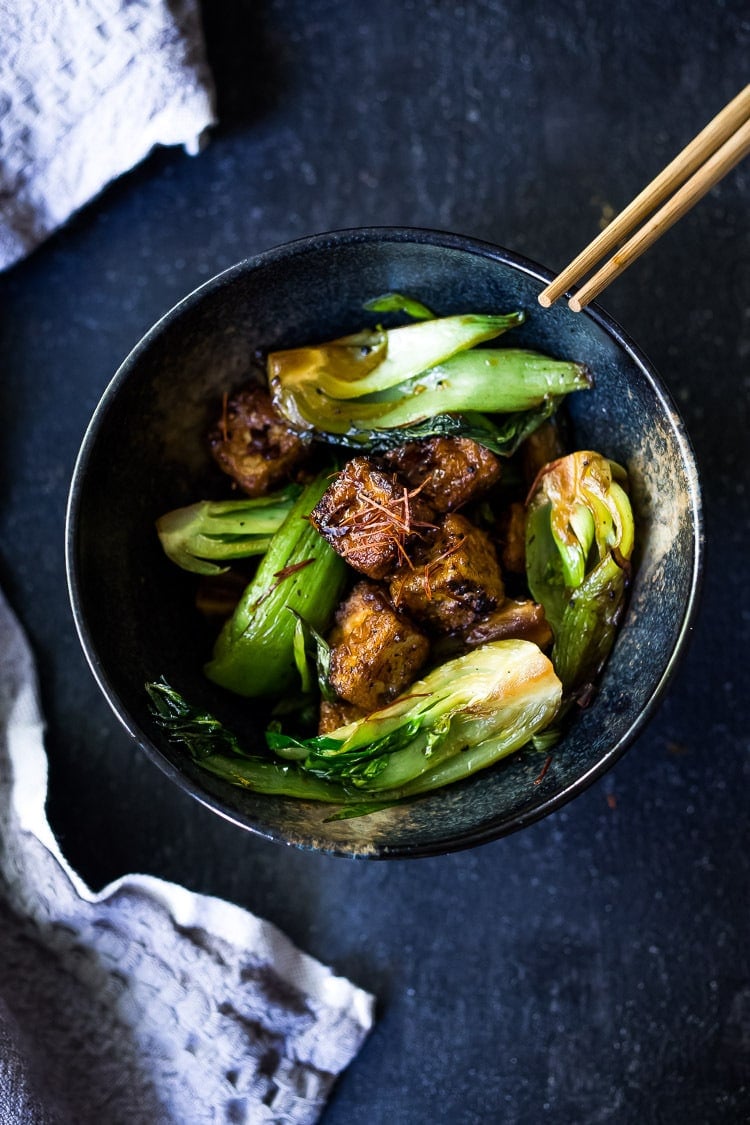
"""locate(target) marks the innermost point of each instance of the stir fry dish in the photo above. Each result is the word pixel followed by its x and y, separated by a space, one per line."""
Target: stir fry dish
pixel 416 576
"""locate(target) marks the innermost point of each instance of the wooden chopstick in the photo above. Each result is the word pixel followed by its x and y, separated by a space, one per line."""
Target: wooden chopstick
pixel 698 167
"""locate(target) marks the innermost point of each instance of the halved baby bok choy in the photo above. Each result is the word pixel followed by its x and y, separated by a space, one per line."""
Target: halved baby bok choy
pixel 462 717
pixel 201 536
pixel 579 541
pixel 370 362
pixel 216 749
pixel 299 576
pixel 420 380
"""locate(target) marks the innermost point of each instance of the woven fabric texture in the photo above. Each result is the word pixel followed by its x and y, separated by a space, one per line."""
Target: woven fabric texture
pixel 144 1003
pixel 87 89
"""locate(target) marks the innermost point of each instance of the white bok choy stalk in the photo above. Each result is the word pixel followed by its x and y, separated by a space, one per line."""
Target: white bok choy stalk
pixel 203 536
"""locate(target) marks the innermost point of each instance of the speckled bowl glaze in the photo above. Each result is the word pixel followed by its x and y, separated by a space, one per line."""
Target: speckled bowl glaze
pixel 145 446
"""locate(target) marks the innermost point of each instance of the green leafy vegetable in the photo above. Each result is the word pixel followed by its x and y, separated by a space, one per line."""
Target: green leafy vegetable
pixel 371 363
pixel 254 653
pixel 311 650
pixel 223 530
pixel 484 381
pixel 502 435
pixel 463 716
pixel 397 302
pixel 579 540
pixel 218 750
pixel 198 731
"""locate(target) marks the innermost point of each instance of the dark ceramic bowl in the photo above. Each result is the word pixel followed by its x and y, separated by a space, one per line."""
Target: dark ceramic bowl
pixel 146 447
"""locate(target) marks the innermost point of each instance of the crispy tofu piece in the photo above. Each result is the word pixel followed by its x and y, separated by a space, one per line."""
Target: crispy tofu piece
pixel 515 620
pixel 376 651
pixel 334 713
pixel 449 471
pixel 456 580
pixel 253 444
pixel 369 518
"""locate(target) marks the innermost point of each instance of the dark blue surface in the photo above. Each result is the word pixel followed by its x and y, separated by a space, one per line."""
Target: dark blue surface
pixel 594 967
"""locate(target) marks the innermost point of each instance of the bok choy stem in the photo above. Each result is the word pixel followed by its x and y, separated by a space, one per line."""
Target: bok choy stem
pixel 202 535
pixel 254 653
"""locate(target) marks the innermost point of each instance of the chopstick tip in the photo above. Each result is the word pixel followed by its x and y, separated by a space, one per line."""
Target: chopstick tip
pixel 574 304
pixel 544 300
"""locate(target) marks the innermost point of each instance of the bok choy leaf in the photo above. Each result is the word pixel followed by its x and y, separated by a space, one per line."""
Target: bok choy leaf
pixel 485 380
pixel 462 717
pixel 373 362
pixel 579 541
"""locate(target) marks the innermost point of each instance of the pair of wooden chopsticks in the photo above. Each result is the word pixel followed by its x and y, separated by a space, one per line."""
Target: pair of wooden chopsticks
pixel 694 171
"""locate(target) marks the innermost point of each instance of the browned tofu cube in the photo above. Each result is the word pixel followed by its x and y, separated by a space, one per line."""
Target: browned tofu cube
pixel 334 713
pixel 376 651
pixel 369 518
pixel 448 471
pixel 456 579
pixel 522 620
pixel 253 444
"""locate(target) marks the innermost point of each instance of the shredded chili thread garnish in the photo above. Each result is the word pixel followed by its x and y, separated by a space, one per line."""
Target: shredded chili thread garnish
pixel 543 770
pixel 390 519
pixel 370 505
pixel 280 575
pixel 292 569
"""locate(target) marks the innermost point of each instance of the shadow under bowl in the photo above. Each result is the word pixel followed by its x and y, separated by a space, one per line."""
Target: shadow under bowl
pixel 145 452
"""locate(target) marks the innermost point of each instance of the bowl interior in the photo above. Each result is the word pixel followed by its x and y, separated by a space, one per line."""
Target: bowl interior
pixel 146 448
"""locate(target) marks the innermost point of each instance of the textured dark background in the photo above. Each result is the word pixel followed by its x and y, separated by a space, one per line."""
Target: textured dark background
pixel 596 966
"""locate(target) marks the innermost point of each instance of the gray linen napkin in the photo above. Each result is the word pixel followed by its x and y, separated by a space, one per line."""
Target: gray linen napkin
pixel 144 1003
pixel 87 89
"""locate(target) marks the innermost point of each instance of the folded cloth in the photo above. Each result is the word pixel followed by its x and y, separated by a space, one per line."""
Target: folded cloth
pixel 87 89
pixel 144 1003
